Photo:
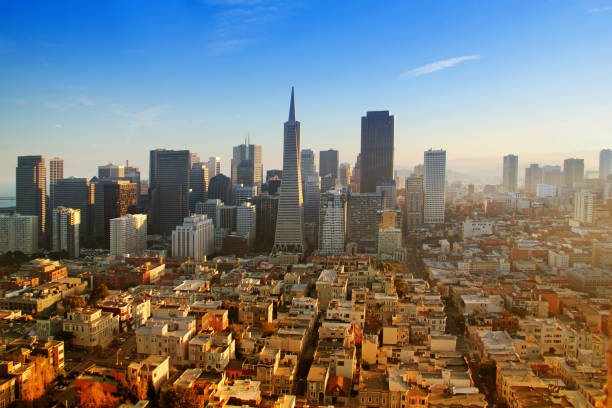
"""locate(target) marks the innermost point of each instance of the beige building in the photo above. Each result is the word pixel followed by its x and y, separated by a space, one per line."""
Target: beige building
pixel 91 327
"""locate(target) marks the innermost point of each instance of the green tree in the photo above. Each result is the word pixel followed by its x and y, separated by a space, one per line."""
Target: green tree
pixel 73 301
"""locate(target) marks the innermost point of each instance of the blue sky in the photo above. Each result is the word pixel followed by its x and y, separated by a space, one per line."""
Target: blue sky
pixel 104 81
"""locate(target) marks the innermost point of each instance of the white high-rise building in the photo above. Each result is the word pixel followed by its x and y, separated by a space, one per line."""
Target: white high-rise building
pixel 605 163
pixel 66 226
pixel 246 222
pixel 195 239
pixel 585 202
pixel 332 222
pixel 19 233
pixel 546 190
pixel 128 234
pixel 434 185
pixel 289 235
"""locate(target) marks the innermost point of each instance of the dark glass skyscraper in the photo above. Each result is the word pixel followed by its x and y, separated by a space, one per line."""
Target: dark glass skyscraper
pixel 328 163
pixel 31 180
pixel 198 180
pixel 220 188
pixel 169 189
pixel 77 193
pixel 377 145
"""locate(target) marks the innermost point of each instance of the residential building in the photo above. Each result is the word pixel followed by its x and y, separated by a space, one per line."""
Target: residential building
pixel 362 216
pixel 533 177
pixel 195 239
pixel 91 328
pixel 19 233
pixel 128 235
pixel 573 171
pixel 246 222
pixel 332 224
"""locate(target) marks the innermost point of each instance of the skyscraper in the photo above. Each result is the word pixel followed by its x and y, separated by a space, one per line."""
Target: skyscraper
pixel 414 200
pixel 198 181
pixel 388 190
pixel 56 172
pixel 308 170
pixel 289 236
pixel 246 164
pixel 111 170
pixel 328 163
pixel 344 176
pixel 66 223
pixel 551 175
pixel 112 199
pixel 214 166
pixel 19 233
pixel 77 193
pixel 533 177
pixel 605 163
pixel 128 234
pixel 363 220
pixel 220 187
pixel 169 188
pixel 510 176
pixel 573 171
pixel 266 209
pixel 133 174
pixel 434 186
pixel 332 224
pixel 31 181
pixel 246 222
pixel 194 239
pixel 377 145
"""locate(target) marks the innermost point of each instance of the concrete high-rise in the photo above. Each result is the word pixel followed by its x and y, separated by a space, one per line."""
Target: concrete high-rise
pixel 194 239
pixel 77 193
pixel 209 208
pixel 31 188
pixel 169 188
pixel 289 235
pixel 246 222
pixel 605 163
pixel 328 163
pixel 198 181
pixel 19 233
pixel 66 224
pixel 388 190
pixel 362 221
pixel 308 170
pixel 56 172
pixel 533 177
pixel 132 174
pixel 332 224
pixel 344 174
pixel 573 171
pixel 377 146
pixel 214 166
pixel 434 186
pixel 510 176
pixel 414 200
pixel 551 175
pixel 128 235
pixel 247 168
pixel 242 194
pixel 112 199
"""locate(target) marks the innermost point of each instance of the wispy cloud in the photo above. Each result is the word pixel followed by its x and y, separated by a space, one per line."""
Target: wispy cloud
pixel 58 125
pixel 437 66
pixel 599 9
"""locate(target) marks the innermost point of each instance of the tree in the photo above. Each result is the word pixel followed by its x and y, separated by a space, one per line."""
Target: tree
pixel 98 293
pixel 42 375
pixel 180 398
pixel 94 396
pixel 73 301
pixel 400 287
pixel 267 328
pixel 487 371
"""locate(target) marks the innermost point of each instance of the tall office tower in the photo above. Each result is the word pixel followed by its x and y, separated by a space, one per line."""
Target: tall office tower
pixel 220 187
pixel 308 169
pixel 377 144
pixel 31 180
pixel 328 182
pixel 133 174
pixel 77 193
pixel 112 199
pixel 551 175
pixel 414 200
pixel 388 190
pixel 226 217
pixel 128 235
pixel 328 163
pixel 510 176
pixel 56 172
pixel 214 166
pixel 66 223
pixel 363 220
pixel 19 233
pixel 533 177
pixel 169 188
pixel 312 199
pixel 111 170
pixel 195 158
pixel 434 185
pixel 274 173
pixel 289 236
pixel 419 170
pixel 198 181
pixel 605 163
pixel 573 171
pixel 195 239
pixel 246 164
pixel 242 194
pixel 356 176
pixel 344 176
pixel 266 209
pixel 332 222
pixel 209 208
pixel 246 222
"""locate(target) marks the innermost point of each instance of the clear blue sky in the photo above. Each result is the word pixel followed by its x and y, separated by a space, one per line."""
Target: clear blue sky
pixel 100 81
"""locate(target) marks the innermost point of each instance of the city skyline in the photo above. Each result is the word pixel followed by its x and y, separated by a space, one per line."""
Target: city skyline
pixel 454 89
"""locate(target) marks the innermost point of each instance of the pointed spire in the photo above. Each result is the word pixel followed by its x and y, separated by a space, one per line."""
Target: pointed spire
pixel 292 108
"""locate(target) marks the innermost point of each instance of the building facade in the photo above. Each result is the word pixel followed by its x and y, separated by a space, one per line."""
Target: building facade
pixel 31 188
pixel 195 239
pixel 19 233
pixel 66 225
pixel 332 224
pixel 510 173
pixel 434 186
pixel 377 148
pixel 128 234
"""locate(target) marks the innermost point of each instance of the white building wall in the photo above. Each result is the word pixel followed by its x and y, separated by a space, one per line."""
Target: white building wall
pixel 194 239
pixel 128 234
